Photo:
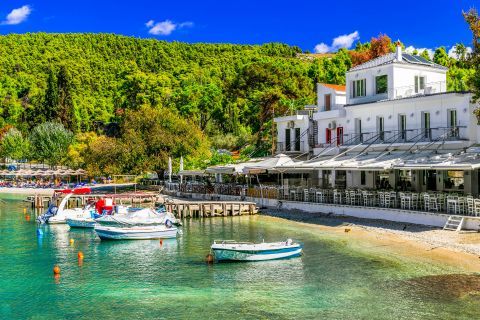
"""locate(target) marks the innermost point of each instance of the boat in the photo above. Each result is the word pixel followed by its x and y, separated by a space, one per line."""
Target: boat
pixel 60 215
pixel 135 232
pixel 138 217
pixel 230 250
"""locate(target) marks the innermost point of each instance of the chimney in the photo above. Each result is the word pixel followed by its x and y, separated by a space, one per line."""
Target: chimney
pixel 399 51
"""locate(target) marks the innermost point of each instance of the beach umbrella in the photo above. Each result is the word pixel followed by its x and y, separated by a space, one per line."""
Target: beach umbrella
pixel 181 168
pixel 169 169
pixel 80 172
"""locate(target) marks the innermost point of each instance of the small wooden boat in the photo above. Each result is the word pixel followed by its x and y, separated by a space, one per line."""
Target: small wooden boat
pixel 224 250
pixel 135 232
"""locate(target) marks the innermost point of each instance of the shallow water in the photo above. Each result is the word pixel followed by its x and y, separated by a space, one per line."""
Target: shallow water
pixel 146 280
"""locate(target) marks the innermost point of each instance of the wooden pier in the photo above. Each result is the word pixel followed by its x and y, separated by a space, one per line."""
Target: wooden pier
pixel 201 209
pixel 180 208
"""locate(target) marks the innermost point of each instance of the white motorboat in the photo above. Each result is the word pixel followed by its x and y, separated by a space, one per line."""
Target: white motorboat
pixel 224 250
pixel 135 232
pixel 81 222
pixel 142 217
pixel 59 215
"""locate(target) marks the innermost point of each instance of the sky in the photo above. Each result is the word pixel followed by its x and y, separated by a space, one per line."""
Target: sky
pixel 316 26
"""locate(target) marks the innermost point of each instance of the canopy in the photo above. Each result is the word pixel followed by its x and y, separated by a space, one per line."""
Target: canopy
pixel 267 164
pixel 236 168
pixel 191 172
pixel 464 161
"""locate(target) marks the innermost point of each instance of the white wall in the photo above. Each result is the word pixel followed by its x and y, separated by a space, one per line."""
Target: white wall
pixel 401 76
pixel 339 98
pixel 437 106
pixel 300 121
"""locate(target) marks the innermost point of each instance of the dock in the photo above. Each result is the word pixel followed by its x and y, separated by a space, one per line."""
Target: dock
pixel 202 209
pixel 180 208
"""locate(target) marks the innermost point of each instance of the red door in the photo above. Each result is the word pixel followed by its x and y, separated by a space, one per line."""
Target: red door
pixel 328 135
pixel 339 136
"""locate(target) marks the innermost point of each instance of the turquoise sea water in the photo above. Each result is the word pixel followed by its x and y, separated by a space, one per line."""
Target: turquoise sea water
pixel 146 280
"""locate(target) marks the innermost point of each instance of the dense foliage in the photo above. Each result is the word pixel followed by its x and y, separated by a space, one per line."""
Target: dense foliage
pixel 130 103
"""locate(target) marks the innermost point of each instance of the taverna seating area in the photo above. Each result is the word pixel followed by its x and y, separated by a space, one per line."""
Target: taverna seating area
pixel 433 202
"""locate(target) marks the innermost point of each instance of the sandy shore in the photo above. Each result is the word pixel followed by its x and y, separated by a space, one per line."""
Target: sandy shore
pixel 424 244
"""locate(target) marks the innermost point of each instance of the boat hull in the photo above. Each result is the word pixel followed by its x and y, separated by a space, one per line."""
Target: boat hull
pixel 255 255
pixel 135 233
pixel 81 223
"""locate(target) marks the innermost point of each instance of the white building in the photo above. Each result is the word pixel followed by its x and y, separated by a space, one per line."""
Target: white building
pixel 396 108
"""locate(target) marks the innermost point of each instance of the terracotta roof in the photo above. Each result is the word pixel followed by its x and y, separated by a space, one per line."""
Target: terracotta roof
pixel 335 87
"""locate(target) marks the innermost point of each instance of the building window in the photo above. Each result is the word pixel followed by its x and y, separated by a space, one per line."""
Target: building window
pixel 452 122
pixel 426 125
pixel 381 84
pixel 363 178
pixel 419 84
pixel 359 88
pixel 381 128
pixel 328 100
pixel 402 126
pixel 453 180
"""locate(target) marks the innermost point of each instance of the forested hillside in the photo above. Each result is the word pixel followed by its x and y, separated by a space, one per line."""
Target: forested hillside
pixel 227 94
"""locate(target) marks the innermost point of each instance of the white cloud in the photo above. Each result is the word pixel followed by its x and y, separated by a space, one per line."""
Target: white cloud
pixel 17 16
pixel 453 54
pixel 411 49
pixel 186 24
pixel 166 27
pixel 343 41
pixel 150 23
pixel 322 48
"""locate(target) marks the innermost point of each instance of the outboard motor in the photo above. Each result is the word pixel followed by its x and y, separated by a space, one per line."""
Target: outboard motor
pixel 51 211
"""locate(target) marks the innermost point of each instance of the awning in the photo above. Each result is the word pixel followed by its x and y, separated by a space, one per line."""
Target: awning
pixel 235 168
pixel 464 161
pixel 192 173
pixel 267 164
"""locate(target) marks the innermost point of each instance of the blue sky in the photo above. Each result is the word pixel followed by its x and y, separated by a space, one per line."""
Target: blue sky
pixel 307 24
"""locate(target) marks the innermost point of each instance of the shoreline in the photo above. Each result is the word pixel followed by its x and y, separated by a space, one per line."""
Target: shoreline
pixel 421 243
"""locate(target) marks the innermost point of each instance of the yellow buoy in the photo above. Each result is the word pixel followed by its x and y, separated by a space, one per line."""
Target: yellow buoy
pixel 56 270
pixel 72 241
pixel 24 210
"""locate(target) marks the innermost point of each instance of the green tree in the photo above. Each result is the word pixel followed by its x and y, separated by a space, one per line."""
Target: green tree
pixel 473 20
pixel 50 142
pixel 441 57
pixel 14 145
pixel 425 55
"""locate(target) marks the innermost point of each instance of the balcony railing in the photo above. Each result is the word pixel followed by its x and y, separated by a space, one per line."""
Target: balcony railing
pixel 407 136
pixel 294 146
pixel 402 92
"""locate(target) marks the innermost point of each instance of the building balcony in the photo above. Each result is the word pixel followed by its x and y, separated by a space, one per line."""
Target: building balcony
pixel 335 113
pixel 402 92
pixel 439 134
pixel 293 147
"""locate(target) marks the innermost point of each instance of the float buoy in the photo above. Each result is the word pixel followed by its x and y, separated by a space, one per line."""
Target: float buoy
pixel 72 241
pixel 27 218
pixel 25 210
pixel 80 255
pixel 161 242
pixel 56 270
pixel 209 258
pixel 39 232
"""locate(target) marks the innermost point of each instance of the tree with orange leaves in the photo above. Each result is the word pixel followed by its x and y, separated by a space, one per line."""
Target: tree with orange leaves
pixel 378 47
pixel 473 20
